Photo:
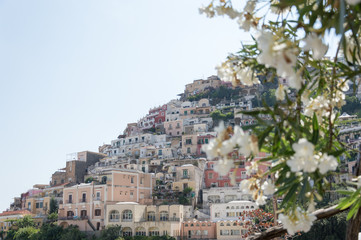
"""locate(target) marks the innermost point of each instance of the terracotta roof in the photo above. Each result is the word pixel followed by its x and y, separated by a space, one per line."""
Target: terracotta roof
pixel 18 212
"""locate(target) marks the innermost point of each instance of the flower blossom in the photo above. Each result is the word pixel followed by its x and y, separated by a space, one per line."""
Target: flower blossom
pixel 224 166
pixel 297 222
pixel 353 2
pixel 280 93
pixel 327 163
pixel 232 71
pixel 209 11
pixel 282 57
pixel 268 188
pixel 314 43
pixel 303 158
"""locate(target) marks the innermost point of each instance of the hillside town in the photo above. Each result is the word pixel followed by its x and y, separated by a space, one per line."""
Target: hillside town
pixel 154 178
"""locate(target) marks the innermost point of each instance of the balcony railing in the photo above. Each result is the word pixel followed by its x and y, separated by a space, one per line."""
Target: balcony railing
pixel 73 218
pixel 82 200
pixel 186 177
pixel 97 199
pixel 69 201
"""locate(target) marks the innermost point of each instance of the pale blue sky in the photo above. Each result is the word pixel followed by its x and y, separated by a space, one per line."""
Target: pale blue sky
pixel 74 72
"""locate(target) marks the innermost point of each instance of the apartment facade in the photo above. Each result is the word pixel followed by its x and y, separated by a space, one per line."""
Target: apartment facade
pixel 146 220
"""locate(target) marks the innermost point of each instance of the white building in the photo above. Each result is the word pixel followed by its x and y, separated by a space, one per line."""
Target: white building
pixel 230 211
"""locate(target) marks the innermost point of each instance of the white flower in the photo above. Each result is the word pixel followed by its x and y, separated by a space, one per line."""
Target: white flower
pixel 280 93
pixel 223 166
pixel 246 76
pixel 207 10
pixel 265 41
pixel 297 222
pixel 268 188
pixel 303 159
pixel 252 169
pixel 226 147
pixel 295 81
pixel 314 43
pixel 327 163
pixel 250 6
pixel 211 149
pixel 247 145
pixel 244 186
pixel 353 2
pixel 261 200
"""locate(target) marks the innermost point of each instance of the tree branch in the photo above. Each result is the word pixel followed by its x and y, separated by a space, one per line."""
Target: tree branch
pixel 279 230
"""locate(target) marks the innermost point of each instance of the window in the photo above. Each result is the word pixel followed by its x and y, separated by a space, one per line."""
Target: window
pixel 205 232
pixel 224 232
pixel 140 231
pixel 114 216
pixel 160 152
pixel 127 216
pixel 132 180
pixel 210 175
pixel 206 140
pixel 188 150
pixel 98 196
pixel 185 112
pixel 163 216
pixel 153 232
pixel 98 212
pixel 151 216
pixel 83 199
pixel 83 213
pixel 70 214
pixel 131 194
pixel 188 141
pixel 127 232
pixel 185 172
pixel 70 199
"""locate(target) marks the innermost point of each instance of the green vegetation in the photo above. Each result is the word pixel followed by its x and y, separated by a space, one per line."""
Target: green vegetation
pixel 53 206
pixel 217 95
pixel 217 115
pixel 352 106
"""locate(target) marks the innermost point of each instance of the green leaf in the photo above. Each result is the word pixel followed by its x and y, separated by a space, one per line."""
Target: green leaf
pixel 315 129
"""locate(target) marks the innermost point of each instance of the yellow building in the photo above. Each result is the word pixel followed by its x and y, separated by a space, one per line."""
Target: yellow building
pixel 7 218
pixel 146 220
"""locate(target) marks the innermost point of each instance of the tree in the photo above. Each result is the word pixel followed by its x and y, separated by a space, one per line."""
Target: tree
pixel 26 233
pixel 50 232
pixel 111 232
pixel 73 232
pixel 53 206
pixel 301 137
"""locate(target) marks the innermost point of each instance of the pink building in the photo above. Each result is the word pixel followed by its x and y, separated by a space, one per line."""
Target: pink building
pixel 198 230
pixel 174 128
pixel 213 179
pixel 84 204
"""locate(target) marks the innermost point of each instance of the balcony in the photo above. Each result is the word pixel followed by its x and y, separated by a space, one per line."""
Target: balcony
pixel 69 201
pixel 186 177
pixel 97 199
pixel 73 218
pixel 82 200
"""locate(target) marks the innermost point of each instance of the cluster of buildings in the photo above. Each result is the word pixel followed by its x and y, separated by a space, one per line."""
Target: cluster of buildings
pixel 153 179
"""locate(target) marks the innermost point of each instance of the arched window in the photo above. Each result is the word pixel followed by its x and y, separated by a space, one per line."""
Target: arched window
pixel 221 224
pixel 127 216
pixel 140 231
pixel 114 216
pixel 127 232
pixel 153 231
pixel 151 216
pixel 70 214
pixel 164 216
